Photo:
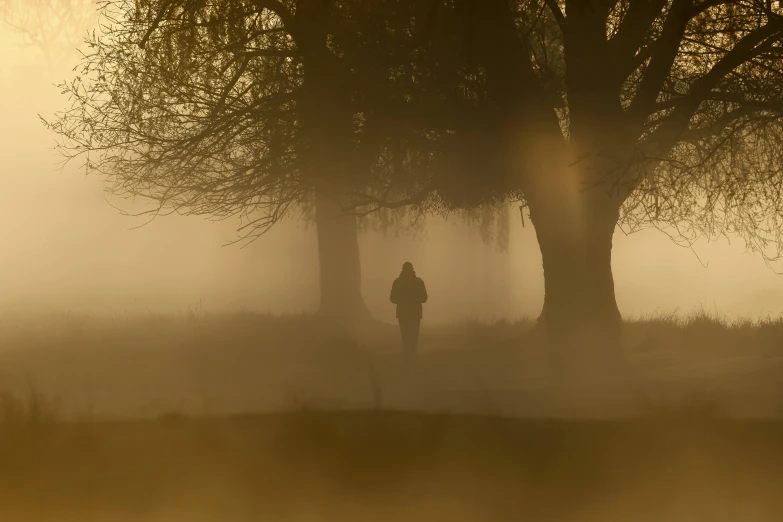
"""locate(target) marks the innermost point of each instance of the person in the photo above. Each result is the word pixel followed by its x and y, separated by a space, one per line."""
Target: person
pixel 409 293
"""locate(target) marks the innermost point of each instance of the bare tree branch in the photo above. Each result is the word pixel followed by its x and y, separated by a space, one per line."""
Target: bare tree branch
pixel 556 12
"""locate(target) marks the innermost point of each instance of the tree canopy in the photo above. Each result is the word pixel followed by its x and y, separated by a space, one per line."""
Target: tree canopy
pixel 679 99
pixel 199 104
pixel 236 108
pixel 593 113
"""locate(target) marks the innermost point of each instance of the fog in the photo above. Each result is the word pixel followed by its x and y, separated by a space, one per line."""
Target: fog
pixel 65 248
pixel 181 415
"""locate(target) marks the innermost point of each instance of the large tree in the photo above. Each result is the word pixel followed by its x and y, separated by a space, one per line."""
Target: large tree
pixel 262 108
pixel 602 113
pixel 228 108
pixel 672 119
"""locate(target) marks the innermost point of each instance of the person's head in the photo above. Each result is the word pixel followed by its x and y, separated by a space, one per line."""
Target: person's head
pixel 407 267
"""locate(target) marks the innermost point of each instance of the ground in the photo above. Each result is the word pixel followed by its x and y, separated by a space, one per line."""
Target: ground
pixel 346 467
pixel 160 419
pixel 207 364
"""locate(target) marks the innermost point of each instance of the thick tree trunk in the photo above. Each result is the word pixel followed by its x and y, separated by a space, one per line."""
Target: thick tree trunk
pixel 326 119
pixel 340 265
pixel 578 284
pixel 580 314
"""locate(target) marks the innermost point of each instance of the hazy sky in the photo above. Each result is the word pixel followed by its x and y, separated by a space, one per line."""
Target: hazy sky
pixel 64 248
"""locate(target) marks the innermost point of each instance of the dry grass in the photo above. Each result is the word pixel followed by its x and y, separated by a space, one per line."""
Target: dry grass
pixel 708 332
pixel 143 366
pixel 683 460
pixel 390 466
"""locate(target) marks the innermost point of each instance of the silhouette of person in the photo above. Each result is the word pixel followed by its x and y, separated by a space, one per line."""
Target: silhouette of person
pixel 409 293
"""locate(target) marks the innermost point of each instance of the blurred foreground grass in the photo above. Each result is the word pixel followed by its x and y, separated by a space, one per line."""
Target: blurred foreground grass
pixel 384 466
pixel 70 449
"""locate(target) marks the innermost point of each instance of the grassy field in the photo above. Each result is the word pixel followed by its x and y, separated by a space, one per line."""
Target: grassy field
pixel 208 364
pixel 157 418
pixel 355 466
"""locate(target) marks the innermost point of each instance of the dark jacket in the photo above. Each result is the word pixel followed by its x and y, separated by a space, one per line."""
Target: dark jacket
pixel 408 293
